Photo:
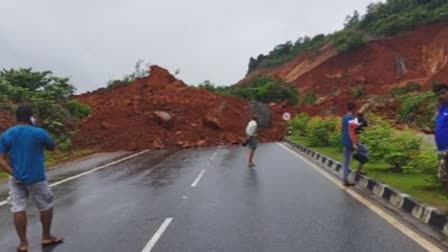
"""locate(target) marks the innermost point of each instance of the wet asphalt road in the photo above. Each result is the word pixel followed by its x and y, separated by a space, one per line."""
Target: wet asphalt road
pixel 281 205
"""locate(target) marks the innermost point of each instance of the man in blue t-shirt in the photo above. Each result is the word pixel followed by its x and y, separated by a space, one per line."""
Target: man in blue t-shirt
pixel 349 140
pixel 441 131
pixel 22 156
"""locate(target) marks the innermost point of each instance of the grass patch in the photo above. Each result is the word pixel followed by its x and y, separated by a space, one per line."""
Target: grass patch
pixel 420 186
pixel 3 175
pixel 53 158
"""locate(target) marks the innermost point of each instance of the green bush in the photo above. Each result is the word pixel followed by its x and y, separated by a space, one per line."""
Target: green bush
pixel 401 149
pixel 409 88
pixel 359 91
pixel 77 109
pixel 65 144
pixel 320 130
pixel 347 40
pixel 309 98
pixel 299 124
pixel 395 148
pixel 376 138
pixel 335 139
pixel 424 162
pixel 418 109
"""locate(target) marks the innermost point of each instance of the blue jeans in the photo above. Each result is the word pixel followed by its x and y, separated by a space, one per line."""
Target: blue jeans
pixel 348 151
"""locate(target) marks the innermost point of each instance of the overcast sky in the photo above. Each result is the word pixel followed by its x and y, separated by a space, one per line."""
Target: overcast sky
pixel 93 41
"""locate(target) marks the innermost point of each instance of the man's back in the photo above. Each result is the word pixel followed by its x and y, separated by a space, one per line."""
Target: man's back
pixel 25 146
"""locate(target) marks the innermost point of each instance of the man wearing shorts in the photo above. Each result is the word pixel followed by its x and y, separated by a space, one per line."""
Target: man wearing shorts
pixel 22 156
pixel 251 131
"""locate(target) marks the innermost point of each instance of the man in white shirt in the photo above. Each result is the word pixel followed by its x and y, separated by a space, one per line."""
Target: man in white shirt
pixel 251 131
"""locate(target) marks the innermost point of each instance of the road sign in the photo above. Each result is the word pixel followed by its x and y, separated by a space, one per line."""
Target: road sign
pixel 286 116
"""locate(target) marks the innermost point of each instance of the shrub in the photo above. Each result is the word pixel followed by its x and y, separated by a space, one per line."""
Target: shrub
pixel 65 144
pixel 77 109
pixel 299 124
pixel 424 162
pixel 418 109
pixel 410 87
pixel 309 98
pixel 359 91
pixel 320 131
pixel 347 40
pixel 395 148
pixel 401 149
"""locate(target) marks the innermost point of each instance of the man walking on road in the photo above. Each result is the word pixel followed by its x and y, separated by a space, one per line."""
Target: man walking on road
pixel 22 156
pixel 349 140
pixel 441 131
pixel 251 131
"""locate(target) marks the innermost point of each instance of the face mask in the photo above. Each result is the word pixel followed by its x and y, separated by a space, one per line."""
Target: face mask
pixel 33 120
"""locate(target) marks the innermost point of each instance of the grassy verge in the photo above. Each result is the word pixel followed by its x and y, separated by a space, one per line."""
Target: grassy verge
pixel 57 157
pixel 419 186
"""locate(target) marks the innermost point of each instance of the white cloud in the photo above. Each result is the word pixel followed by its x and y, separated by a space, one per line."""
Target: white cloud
pixel 93 41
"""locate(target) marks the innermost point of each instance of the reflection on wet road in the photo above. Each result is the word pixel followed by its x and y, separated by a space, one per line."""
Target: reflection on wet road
pixel 281 205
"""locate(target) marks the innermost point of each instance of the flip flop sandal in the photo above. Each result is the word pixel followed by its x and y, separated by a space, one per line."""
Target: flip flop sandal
pixel 55 241
pixel 21 250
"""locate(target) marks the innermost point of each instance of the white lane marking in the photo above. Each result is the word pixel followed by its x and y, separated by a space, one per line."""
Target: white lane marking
pixel 157 235
pixel 195 183
pixel 426 244
pixel 2 203
pixel 213 156
pixel 98 168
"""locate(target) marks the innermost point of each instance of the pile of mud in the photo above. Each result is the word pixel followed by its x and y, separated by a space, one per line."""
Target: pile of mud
pixel 160 112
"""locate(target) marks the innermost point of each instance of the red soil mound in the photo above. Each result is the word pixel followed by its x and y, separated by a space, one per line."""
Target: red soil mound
pixel 160 111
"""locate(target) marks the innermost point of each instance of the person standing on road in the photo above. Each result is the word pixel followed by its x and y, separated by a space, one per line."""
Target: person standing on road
pixel 349 140
pixel 22 157
pixel 251 132
pixel 441 131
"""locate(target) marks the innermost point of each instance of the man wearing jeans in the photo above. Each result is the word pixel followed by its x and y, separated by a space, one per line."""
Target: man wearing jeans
pixel 349 140
pixel 441 131
pixel 22 156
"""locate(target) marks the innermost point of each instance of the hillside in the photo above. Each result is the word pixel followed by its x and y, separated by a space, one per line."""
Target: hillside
pixel 384 64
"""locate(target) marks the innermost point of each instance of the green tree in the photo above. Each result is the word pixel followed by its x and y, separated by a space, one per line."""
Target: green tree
pixel 49 95
pixel 21 84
